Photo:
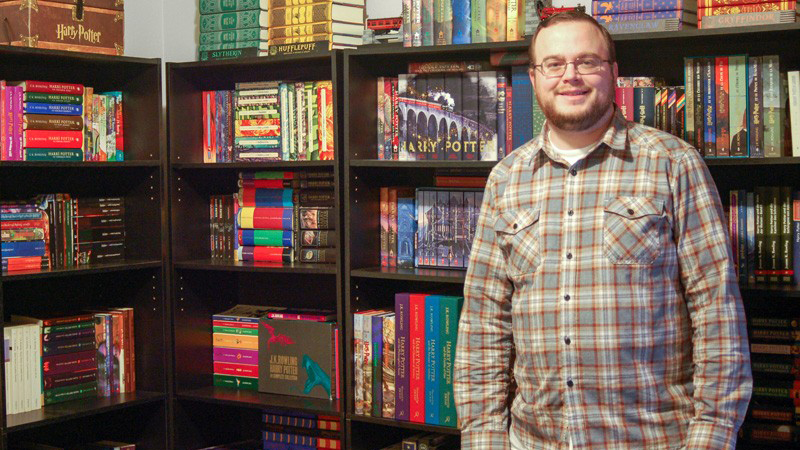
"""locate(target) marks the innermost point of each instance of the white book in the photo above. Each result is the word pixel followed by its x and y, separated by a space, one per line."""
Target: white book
pixel 794 110
pixel 36 365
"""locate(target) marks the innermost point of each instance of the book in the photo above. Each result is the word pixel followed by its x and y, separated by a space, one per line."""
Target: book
pixel 794 109
pixel 51 87
pixel 633 6
pixel 314 12
pixel 218 6
pixel 297 357
pixel 402 323
pixel 233 20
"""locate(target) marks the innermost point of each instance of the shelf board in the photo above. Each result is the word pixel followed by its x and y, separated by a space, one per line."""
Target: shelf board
pixel 403 424
pixel 61 412
pixel 253 399
pixel 773 290
pixel 239 266
pixel 82 270
pixel 253 165
pixel 80 164
pixel 384 164
pixel 752 161
pixel 432 275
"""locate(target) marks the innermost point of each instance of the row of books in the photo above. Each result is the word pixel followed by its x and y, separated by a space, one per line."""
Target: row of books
pixel 427 227
pixel 426 441
pixel 58 231
pixel 765 230
pixel 269 121
pixel 294 353
pixel 403 359
pixel 104 444
pixel 290 430
pixel 444 22
pixel 56 359
pixel 645 100
pixel 774 413
pixel 737 106
pixel 675 14
pixel 458 114
pixel 260 27
pixel 54 121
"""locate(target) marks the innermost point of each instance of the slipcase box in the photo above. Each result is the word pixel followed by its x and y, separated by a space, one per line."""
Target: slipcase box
pixel 92 26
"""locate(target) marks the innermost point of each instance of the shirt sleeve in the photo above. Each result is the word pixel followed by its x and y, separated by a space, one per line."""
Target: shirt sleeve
pixel 483 353
pixel 722 377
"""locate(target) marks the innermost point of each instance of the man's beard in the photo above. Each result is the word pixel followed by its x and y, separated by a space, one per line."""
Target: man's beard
pixel 572 121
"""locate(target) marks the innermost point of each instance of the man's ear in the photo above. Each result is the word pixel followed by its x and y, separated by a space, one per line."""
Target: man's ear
pixel 532 76
pixel 615 70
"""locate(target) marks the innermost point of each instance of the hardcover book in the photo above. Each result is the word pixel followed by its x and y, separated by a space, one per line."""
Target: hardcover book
pixel 298 357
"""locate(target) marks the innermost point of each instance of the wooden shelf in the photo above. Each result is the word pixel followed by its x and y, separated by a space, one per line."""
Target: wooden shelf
pixel 403 424
pixel 239 266
pixel 253 399
pixel 61 412
pixel 81 270
pixel 93 165
pixel 289 165
pixel 429 275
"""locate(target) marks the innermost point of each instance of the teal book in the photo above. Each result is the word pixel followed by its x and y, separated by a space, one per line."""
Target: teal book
pixel 231 36
pixel 449 313
pixel 233 20
pixel 220 6
pixel 478 21
pixel 433 366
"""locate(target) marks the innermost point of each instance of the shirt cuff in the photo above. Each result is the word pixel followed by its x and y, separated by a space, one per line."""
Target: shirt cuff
pixel 485 439
pixel 710 436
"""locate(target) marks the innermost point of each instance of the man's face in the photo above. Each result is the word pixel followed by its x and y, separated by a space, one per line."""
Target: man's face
pixel 573 102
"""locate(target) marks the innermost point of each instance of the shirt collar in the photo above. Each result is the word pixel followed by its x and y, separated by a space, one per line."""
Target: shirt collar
pixel 615 139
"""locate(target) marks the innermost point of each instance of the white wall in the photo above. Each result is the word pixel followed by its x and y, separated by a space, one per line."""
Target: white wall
pixel 144 33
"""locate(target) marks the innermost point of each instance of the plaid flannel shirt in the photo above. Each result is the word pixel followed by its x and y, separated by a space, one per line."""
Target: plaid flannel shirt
pixel 612 283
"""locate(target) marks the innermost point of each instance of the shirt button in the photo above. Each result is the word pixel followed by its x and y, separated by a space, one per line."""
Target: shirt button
pixel 569 255
pixel 567 340
pixel 515 226
pixel 571 212
pixel 570 383
pixel 573 172
pixel 566 298
pixel 630 211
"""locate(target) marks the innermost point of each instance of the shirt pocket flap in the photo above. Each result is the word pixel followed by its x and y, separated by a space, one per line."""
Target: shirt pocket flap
pixel 634 207
pixel 512 222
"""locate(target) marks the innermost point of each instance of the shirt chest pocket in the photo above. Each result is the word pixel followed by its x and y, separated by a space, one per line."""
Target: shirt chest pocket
pixel 633 229
pixel 518 233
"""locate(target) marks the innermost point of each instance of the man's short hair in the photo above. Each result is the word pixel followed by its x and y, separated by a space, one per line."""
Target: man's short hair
pixel 574 15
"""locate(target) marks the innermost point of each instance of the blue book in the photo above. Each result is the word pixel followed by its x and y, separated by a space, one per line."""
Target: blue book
pixel 63 109
pixel 501 115
pixel 709 108
pixel 22 248
pixel 433 366
pixel 751 237
pixel 635 6
pixel 267 198
pixel 462 21
pixel 406 228
pixel 27 215
pixel 377 365
pixel 742 232
pixel 521 104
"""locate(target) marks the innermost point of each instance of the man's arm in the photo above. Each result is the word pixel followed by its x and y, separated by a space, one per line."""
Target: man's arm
pixel 722 378
pixel 481 372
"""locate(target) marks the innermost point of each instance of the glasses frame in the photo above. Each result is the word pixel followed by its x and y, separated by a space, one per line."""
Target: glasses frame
pixel 541 68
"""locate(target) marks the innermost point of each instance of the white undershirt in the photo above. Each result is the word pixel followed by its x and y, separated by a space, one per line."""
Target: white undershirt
pixel 576 154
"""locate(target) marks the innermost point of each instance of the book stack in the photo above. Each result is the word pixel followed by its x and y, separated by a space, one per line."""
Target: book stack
pixel 265 223
pixel 51 99
pixel 463 22
pixel 637 16
pixel 23 370
pixel 646 100
pixel 235 338
pixel 774 413
pixel 99 229
pixel 292 429
pixel 299 357
pixel 116 362
pixel 269 121
pixel 330 24
pixel 744 13
pixel 24 236
pixel 232 28
pixel 403 359
pixel 315 201
pixel 223 238
pixel 68 356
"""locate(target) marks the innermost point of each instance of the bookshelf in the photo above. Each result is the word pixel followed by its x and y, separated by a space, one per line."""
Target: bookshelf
pixel 368 286
pixel 205 415
pixel 138 281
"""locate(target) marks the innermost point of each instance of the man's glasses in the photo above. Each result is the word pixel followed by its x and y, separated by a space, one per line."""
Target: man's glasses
pixel 554 67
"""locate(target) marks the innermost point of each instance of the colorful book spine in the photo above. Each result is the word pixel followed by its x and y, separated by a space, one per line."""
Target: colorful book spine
pixel 377 364
pixel 772 116
pixel 402 354
pixel 737 76
pixel 233 20
pixel 462 21
pixel 709 109
pixel 433 366
pixel 417 358
pixel 721 97
pixel 755 103
pixel 633 6
pixel 479 26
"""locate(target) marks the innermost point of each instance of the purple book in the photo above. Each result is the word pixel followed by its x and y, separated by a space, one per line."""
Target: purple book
pixel 235 355
pixel 8 124
pixel 401 349
pixel 17 125
pixel 68 362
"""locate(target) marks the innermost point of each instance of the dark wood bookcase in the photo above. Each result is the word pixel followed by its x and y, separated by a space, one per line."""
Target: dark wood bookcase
pixel 205 415
pixel 138 281
pixel 369 286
